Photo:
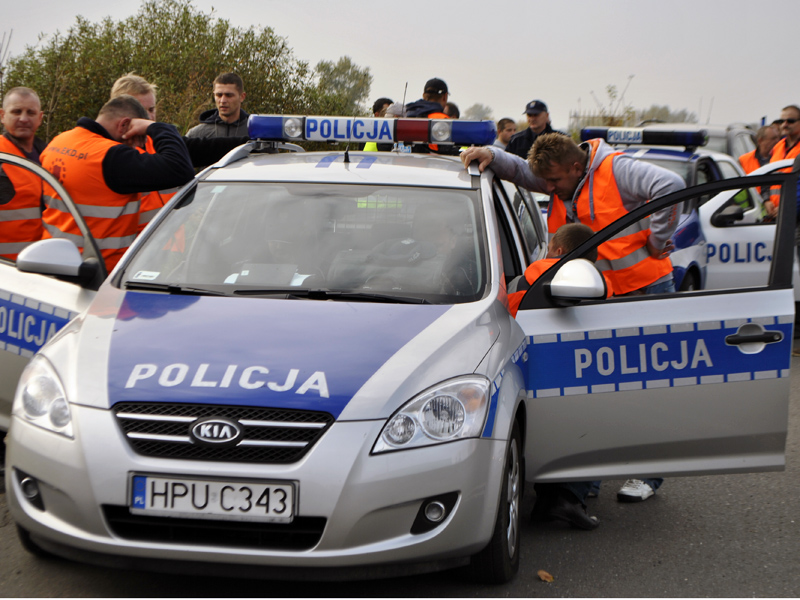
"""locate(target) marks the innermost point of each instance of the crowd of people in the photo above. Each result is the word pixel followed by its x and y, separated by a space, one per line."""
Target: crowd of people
pixel 122 166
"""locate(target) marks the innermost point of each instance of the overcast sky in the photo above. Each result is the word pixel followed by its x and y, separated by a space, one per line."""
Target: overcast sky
pixel 725 60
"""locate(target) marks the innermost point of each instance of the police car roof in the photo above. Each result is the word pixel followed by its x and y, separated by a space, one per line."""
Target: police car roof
pixel 671 153
pixel 386 168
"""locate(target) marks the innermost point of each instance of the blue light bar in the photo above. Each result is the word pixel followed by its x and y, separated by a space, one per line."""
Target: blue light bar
pixel 650 137
pixel 350 129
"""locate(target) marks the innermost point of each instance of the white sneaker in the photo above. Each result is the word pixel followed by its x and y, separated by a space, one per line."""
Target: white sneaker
pixel 634 490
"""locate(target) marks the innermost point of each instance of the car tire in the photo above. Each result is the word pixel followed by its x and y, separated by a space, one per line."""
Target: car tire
pixel 689 283
pixel 29 545
pixel 498 562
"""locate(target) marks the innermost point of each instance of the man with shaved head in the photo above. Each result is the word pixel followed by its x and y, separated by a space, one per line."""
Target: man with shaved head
pixel 104 173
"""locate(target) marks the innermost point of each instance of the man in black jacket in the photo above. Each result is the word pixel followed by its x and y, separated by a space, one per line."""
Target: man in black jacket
pixel 538 123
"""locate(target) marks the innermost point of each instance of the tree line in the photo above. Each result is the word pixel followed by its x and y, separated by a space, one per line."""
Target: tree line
pixel 180 49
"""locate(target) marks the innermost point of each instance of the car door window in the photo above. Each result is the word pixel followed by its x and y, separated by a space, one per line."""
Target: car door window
pixel 530 224
pixel 510 239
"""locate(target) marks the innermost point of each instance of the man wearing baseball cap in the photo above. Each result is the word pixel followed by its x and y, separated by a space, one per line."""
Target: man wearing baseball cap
pixel 538 124
pixel 431 106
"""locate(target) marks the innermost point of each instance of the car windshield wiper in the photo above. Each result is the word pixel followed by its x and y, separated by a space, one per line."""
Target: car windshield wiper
pixel 320 294
pixel 171 288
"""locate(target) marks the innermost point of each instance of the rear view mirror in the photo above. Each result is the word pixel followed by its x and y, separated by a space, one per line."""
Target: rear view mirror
pixel 727 216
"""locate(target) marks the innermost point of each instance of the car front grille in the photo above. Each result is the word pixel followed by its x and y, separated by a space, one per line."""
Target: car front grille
pixel 269 435
pixel 303 533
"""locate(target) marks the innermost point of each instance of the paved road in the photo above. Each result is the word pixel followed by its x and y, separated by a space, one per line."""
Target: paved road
pixel 723 536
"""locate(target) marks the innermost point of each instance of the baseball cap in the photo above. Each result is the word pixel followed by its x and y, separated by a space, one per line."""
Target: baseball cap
pixel 435 86
pixel 534 107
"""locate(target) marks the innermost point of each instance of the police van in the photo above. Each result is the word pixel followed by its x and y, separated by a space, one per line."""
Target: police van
pixel 683 149
pixel 305 367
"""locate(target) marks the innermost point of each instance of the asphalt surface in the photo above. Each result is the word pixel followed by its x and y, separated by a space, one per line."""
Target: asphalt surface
pixel 720 536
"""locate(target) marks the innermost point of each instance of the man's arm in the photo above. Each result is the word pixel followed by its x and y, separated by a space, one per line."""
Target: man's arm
pixel 639 182
pixel 507 166
pixel 127 171
pixel 207 151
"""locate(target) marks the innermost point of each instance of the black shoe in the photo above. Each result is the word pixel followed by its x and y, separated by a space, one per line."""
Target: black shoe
pixel 574 513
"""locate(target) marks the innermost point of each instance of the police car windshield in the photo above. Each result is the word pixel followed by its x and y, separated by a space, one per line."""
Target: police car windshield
pixel 418 242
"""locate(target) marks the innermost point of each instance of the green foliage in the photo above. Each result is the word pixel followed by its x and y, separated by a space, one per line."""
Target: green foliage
pixel 347 81
pixel 478 112
pixel 181 50
pixel 663 113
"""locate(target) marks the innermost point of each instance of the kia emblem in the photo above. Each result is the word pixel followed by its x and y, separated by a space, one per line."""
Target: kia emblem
pixel 216 431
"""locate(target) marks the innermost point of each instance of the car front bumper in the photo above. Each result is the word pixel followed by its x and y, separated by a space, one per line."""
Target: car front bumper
pixel 367 503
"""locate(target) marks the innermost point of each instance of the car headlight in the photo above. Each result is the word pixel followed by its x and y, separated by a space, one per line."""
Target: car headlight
pixel 452 410
pixel 40 398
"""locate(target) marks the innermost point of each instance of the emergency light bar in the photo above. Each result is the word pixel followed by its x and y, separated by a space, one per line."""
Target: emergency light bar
pixel 382 131
pixel 639 135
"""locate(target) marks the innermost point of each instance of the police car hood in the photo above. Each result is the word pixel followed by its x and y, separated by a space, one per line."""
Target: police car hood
pixel 295 354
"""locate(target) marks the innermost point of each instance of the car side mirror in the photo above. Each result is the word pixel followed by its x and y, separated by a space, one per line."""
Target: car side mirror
pixel 727 216
pixel 577 280
pixel 58 258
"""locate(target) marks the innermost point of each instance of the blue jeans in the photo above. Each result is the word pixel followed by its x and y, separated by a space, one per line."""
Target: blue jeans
pixel 665 287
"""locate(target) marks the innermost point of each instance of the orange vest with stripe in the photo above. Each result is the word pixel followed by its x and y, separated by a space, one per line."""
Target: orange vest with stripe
pixel 624 259
pixel 151 202
pixel 21 217
pixel 779 153
pixel 75 158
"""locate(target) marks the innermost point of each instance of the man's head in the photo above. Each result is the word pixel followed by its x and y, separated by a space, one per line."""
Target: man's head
pixel 228 96
pixel 117 114
pixel 138 87
pixel 505 129
pixel 435 91
pixel 766 138
pixel 567 238
pixel 559 161
pixel 380 105
pixel 538 117
pixel 21 115
pixel 451 110
pixel 790 122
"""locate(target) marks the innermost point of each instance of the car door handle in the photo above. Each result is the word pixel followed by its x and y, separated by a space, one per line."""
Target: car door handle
pixel 767 337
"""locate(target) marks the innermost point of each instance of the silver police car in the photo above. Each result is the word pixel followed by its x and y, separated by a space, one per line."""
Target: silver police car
pixel 305 367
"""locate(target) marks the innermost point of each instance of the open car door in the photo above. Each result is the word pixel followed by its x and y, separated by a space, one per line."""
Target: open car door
pixel 660 385
pixel 49 284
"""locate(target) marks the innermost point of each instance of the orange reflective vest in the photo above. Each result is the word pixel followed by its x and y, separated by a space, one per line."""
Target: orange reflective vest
pixel 779 153
pixel 624 259
pixel 749 162
pixel 75 158
pixel 21 217
pixel 151 202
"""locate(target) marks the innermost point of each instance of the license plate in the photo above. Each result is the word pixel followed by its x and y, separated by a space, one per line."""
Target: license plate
pixel 212 499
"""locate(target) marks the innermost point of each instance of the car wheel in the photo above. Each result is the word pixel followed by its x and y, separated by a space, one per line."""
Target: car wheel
pixel 29 545
pixel 689 283
pixel 499 561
